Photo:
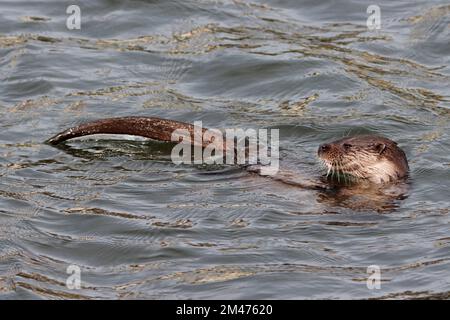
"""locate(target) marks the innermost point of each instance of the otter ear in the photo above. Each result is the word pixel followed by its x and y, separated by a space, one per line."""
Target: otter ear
pixel 380 147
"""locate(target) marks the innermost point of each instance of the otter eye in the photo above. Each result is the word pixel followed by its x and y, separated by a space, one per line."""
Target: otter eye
pixel 347 145
pixel 380 147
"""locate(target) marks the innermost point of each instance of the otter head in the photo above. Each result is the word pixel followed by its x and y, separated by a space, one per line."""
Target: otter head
pixel 374 158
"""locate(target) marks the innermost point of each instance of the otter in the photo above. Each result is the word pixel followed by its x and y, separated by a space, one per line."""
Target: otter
pixel 370 158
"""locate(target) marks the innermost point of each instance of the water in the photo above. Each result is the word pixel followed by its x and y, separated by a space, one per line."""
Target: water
pixel 139 226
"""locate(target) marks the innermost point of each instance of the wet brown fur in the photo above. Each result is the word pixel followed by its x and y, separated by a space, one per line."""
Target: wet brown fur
pixel 149 127
pixel 371 157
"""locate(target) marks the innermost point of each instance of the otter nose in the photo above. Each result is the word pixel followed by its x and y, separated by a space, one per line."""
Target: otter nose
pixel 324 148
